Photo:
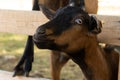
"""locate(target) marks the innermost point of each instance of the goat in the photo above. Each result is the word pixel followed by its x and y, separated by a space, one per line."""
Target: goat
pixel 74 32
pixel 27 57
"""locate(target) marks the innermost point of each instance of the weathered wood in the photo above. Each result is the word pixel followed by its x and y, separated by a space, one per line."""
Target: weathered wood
pixel 111 29
pixel 5 75
pixel 21 22
pixel 26 22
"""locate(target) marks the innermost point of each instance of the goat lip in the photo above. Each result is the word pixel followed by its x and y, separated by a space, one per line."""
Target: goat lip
pixel 39 43
pixel 42 44
pixel 39 38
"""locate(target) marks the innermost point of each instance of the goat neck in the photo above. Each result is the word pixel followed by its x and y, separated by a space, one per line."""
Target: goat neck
pixel 96 64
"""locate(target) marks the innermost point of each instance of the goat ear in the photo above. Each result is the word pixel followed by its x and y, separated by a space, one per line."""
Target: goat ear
pixel 47 12
pixel 95 25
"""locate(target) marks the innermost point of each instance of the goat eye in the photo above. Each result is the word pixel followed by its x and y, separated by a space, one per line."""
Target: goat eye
pixel 78 21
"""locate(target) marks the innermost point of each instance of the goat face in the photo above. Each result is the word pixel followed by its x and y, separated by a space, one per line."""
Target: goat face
pixel 67 31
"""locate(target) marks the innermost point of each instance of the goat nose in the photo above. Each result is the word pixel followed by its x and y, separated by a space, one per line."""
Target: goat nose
pixel 41 30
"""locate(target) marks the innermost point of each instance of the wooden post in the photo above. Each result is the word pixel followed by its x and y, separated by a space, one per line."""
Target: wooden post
pixel 119 69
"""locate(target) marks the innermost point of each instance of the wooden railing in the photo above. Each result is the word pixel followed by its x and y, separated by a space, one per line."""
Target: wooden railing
pixel 26 22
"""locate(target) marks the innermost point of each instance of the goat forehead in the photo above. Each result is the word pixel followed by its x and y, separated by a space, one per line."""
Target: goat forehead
pixel 69 10
pixel 66 14
pixel 63 18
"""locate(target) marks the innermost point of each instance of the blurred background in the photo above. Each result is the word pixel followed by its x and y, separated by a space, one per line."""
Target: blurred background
pixel 12 45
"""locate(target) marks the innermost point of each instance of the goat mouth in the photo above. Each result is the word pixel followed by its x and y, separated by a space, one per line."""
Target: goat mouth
pixel 42 45
pixel 39 38
pixel 42 42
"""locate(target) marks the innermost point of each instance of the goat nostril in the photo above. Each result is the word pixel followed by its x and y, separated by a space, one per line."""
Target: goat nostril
pixel 41 32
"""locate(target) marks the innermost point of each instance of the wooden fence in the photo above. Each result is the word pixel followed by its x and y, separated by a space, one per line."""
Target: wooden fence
pixel 26 22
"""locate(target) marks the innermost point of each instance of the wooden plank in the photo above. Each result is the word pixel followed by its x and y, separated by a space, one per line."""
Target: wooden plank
pixel 26 22
pixel 5 75
pixel 21 22
pixel 111 29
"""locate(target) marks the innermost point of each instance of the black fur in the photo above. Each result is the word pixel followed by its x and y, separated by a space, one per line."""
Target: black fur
pixel 24 66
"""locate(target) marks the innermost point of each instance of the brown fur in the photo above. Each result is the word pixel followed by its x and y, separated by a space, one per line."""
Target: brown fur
pixel 103 64
pixel 89 6
pixel 54 4
pixel 57 60
pixel 97 63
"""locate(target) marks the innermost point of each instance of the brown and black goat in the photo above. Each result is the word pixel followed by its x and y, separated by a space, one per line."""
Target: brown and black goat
pixel 74 32
pixel 25 64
